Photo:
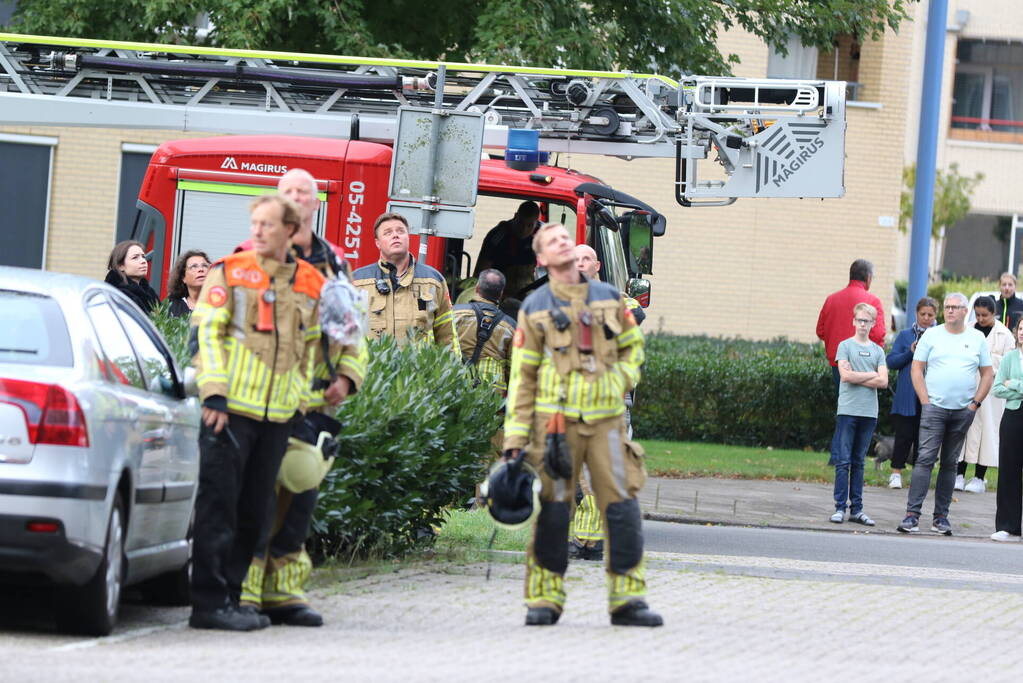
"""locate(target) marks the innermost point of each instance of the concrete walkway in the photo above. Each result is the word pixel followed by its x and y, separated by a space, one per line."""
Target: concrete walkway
pixel 802 505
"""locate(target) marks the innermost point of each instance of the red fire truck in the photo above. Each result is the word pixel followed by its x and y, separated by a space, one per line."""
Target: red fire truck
pixel 766 137
pixel 195 194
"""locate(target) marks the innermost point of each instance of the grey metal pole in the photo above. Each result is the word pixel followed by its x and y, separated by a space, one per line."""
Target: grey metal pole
pixel 430 201
pixel 926 152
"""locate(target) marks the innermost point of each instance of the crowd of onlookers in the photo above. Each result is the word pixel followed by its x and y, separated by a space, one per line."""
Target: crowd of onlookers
pixel 128 267
pixel 957 399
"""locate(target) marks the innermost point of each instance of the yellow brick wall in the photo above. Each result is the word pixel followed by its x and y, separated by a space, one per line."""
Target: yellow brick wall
pixel 83 194
pixel 992 19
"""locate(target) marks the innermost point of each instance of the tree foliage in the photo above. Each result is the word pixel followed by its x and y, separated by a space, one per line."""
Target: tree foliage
pixel 667 36
pixel 952 193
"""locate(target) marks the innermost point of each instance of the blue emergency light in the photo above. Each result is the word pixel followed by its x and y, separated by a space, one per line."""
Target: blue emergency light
pixel 523 151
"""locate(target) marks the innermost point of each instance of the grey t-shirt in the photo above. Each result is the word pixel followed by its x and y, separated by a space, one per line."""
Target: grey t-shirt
pixel 856 399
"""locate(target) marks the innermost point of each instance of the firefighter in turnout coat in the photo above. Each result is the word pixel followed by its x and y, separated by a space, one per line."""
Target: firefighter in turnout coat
pixel 254 334
pixel 577 350
pixel 407 300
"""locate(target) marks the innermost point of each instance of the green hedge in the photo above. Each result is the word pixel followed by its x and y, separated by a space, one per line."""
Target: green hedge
pixel 732 391
pixel 416 439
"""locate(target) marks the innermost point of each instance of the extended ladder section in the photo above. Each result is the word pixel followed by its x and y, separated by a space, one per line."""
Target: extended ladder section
pixel 772 138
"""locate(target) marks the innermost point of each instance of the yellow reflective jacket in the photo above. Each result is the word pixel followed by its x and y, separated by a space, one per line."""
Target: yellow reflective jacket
pixel 493 362
pixel 261 373
pixel 550 372
pixel 415 305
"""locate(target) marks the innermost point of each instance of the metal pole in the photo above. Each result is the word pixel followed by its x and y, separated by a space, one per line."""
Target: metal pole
pixel 430 201
pixel 927 151
pixel 1016 223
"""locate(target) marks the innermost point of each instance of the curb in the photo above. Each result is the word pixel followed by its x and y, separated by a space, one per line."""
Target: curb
pixel 835 529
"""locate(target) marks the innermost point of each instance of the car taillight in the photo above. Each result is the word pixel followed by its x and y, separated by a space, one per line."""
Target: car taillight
pixel 52 413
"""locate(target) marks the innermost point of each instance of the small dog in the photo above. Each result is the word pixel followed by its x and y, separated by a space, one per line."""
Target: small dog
pixel 883 447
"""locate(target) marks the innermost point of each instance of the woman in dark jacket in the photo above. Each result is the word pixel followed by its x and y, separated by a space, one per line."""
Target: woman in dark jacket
pixel 186 280
pixel 127 270
pixel 906 406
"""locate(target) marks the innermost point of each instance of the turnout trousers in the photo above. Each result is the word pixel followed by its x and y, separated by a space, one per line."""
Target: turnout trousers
pixel 237 471
pixel 281 567
pixel 617 474
pixel 587 525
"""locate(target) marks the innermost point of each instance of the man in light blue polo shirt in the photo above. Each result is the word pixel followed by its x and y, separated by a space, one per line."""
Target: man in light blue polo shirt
pixel 950 355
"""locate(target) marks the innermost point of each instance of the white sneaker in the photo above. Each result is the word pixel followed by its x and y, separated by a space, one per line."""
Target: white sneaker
pixel 895 481
pixel 960 482
pixel 838 517
pixel 976 485
pixel 1004 537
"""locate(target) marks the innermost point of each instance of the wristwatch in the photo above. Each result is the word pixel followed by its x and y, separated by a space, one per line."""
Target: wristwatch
pixel 975 402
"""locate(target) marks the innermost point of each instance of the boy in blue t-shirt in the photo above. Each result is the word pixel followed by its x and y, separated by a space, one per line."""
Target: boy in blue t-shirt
pixel 862 369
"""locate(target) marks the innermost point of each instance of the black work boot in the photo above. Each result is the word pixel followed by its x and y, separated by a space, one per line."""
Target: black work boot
pixel 228 619
pixel 575 550
pixel 264 620
pixel 594 552
pixel 542 616
pixel 294 615
pixel 636 613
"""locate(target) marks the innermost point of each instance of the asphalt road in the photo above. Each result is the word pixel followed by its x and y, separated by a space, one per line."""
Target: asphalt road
pixel 890 558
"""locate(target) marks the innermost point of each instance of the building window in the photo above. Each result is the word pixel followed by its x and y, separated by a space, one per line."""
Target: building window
pixel 134 162
pixel 25 170
pixel 842 63
pixel 800 62
pixel 988 91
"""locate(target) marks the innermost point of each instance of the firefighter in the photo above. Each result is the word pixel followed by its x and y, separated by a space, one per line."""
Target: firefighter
pixel 485 333
pixel 508 247
pixel 281 566
pixel 253 339
pixel 587 537
pixel 577 350
pixel 485 337
pixel 407 300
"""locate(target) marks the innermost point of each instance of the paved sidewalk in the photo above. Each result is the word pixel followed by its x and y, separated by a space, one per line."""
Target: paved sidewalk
pixel 447 623
pixel 802 505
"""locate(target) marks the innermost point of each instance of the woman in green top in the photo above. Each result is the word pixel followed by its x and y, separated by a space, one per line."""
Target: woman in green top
pixel 1009 499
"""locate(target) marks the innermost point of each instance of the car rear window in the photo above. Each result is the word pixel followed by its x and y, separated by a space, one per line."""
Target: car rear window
pixel 33 331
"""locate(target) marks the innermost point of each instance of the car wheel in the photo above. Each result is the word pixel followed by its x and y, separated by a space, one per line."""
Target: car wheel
pixel 92 609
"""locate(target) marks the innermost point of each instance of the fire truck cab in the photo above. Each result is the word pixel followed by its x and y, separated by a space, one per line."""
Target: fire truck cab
pixel 195 195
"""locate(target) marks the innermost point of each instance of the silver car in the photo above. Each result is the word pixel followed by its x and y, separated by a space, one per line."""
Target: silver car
pixel 99 457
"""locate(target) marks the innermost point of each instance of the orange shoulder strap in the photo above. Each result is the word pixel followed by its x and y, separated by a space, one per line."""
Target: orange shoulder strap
pixel 308 280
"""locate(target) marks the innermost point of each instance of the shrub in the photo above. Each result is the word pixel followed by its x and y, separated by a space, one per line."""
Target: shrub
pixel 174 330
pixel 415 439
pixel 774 393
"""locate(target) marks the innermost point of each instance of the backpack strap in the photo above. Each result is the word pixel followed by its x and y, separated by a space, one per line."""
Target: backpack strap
pixel 487 317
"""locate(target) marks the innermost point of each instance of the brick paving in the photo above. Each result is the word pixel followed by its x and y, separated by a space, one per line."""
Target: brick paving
pixel 447 623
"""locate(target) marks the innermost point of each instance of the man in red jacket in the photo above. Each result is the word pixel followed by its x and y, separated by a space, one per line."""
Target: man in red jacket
pixel 835 322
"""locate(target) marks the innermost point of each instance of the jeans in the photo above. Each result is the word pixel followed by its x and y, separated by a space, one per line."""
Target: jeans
pixel 941 431
pixel 848 453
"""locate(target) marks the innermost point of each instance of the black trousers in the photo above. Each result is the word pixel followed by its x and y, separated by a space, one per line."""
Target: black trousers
pixel 292 521
pixel 237 471
pixel 1009 496
pixel 907 431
